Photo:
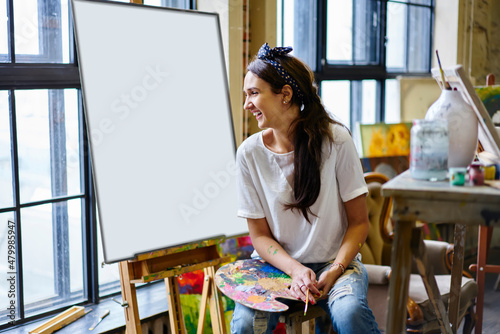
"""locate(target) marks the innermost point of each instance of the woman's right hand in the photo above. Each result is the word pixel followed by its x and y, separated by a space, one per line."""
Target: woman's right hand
pixel 304 278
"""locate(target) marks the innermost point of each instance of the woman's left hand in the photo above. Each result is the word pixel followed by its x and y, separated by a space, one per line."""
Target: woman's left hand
pixel 327 279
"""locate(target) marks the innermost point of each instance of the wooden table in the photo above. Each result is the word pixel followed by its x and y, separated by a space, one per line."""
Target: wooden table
pixel 435 202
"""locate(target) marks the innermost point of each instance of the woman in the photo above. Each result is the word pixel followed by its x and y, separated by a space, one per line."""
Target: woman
pixel 301 189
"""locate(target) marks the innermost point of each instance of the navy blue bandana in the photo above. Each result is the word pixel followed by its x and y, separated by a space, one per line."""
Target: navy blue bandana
pixel 268 55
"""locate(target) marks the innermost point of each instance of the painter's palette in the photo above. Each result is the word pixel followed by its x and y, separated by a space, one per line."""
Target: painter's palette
pixel 255 284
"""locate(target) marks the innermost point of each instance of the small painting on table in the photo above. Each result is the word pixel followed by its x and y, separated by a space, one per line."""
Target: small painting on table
pixel 382 140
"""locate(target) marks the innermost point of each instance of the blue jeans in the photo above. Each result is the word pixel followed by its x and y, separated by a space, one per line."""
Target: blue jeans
pixel 346 305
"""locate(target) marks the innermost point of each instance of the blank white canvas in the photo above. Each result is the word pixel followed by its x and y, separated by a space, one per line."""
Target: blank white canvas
pixel 158 115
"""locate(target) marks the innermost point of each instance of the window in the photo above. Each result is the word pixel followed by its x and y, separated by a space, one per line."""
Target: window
pixel 45 202
pixel 50 252
pixel 357 48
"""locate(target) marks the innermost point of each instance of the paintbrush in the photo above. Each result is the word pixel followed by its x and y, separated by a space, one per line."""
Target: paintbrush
pixel 446 85
pixel 307 301
pixel 106 313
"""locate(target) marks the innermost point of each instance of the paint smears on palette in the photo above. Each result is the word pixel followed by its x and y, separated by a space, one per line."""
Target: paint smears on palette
pixel 255 284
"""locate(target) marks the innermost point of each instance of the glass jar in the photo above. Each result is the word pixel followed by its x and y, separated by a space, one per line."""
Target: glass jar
pixel 476 174
pixel 429 147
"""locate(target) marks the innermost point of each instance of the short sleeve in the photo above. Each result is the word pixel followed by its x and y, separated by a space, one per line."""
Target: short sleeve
pixel 348 167
pixel 249 204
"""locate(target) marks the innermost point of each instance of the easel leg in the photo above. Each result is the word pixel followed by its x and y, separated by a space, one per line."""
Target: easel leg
pixel 216 310
pixel 203 304
pixel 174 306
pixel 132 321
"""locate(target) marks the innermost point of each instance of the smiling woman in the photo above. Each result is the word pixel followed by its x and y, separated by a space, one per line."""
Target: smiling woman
pixel 289 175
pixel 264 104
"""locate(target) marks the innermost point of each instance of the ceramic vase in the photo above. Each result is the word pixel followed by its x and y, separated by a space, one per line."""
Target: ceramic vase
pixel 462 126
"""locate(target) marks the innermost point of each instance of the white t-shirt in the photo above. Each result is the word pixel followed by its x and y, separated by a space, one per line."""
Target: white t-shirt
pixel 265 183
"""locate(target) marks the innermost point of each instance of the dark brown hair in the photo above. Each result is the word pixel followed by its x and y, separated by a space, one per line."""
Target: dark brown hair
pixel 308 131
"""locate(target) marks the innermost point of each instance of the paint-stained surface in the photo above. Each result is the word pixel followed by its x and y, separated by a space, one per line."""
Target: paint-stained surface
pixel 255 284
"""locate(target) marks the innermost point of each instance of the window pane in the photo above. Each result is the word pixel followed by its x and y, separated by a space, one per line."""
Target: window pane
pixel 396 36
pixel 286 23
pixel 339 31
pixel 52 255
pixel 418 43
pixel 336 97
pixel 72 119
pixel 369 101
pixel 48 141
pixel 392 102
pixel 408 36
pixel 38 253
pixel 42 31
pixel 109 276
pixel 366 34
pixel 74 209
pixel 297 31
pixel 183 4
pixel 33 145
pixel 421 2
pixel 4 33
pixel 5 296
pixel 6 194
pixel 353 32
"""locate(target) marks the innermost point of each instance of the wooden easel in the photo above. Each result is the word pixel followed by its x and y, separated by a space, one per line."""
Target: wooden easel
pixel 168 264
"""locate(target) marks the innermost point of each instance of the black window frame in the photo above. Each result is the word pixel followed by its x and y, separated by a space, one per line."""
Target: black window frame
pixel 38 72
pixel 352 72
pixel 15 76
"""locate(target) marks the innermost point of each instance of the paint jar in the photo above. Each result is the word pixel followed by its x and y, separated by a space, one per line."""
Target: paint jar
pixel 489 172
pixel 429 149
pixel 476 174
pixel 457 175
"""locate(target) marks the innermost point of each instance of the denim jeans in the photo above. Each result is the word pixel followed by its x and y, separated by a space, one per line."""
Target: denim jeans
pixel 346 305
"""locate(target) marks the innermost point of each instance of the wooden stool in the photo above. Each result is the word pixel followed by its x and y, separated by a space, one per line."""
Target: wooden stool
pixel 297 323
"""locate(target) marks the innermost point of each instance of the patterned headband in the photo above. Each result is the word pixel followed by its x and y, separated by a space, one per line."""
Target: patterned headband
pixel 268 55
